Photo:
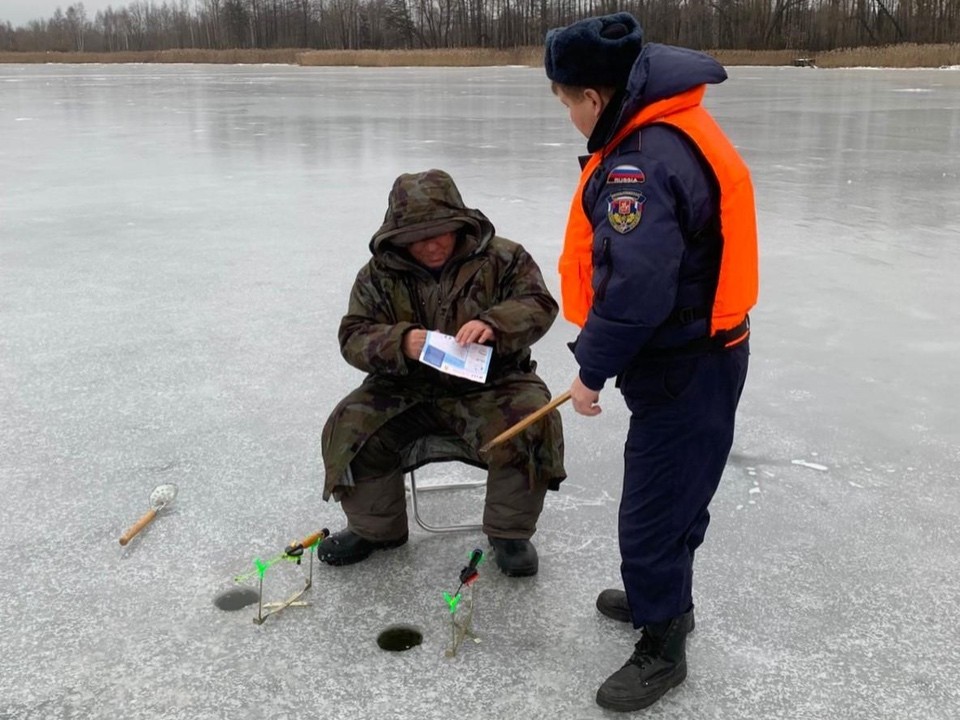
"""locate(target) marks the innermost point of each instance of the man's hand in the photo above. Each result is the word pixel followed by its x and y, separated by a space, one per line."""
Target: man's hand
pixel 475 331
pixel 584 399
pixel 413 341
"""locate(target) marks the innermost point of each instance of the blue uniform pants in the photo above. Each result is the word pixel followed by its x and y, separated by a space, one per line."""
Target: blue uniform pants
pixel 682 412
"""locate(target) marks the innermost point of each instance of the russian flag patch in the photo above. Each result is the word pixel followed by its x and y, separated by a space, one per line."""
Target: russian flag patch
pixel 622 174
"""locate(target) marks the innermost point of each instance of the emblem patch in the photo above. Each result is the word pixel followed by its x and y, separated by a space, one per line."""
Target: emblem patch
pixel 625 174
pixel 624 210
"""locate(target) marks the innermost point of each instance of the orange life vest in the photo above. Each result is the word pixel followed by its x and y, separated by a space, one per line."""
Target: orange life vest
pixel 737 283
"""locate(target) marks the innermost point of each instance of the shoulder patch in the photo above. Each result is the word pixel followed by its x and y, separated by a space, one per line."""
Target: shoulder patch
pixel 624 210
pixel 625 174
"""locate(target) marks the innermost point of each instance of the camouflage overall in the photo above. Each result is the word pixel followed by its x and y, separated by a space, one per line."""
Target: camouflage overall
pixel 444 417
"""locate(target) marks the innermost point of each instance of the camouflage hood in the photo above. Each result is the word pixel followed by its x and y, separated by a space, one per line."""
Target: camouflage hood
pixel 427 204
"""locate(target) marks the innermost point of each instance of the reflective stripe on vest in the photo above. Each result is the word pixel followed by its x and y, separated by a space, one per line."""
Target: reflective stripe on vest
pixel 737 281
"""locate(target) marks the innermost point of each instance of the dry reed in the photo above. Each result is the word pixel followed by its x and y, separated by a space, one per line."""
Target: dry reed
pixel 453 57
pixel 756 57
pixel 904 56
pixel 286 56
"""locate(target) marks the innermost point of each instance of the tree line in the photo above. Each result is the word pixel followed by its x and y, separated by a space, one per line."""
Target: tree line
pixel 812 25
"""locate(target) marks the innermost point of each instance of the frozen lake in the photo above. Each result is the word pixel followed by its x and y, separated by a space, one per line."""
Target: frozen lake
pixel 176 248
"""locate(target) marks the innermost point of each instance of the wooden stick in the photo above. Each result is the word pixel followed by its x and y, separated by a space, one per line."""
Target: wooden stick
pixel 138 526
pixel 527 421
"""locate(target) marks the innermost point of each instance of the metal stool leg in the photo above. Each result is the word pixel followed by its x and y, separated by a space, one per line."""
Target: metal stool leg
pixel 446 486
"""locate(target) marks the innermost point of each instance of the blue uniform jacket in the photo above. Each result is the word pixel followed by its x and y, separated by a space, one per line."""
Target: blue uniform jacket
pixel 654 206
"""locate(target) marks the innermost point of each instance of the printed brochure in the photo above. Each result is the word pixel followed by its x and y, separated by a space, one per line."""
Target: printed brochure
pixel 443 353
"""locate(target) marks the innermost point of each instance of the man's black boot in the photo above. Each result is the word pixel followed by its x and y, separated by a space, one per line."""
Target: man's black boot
pixel 613 603
pixel 346 547
pixel 658 663
pixel 516 558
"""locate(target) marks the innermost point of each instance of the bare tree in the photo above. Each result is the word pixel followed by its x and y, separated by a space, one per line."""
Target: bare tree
pixel 76 20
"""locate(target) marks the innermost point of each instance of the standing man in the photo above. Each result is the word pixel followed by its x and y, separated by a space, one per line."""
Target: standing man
pixel 659 269
pixel 438 265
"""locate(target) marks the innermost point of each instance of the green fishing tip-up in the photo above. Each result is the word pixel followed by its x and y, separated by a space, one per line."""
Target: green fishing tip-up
pixel 468 575
pixel 292 553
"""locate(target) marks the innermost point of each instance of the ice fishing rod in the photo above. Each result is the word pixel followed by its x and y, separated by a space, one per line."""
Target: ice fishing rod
pixel 526 422
pixel 297 548
pixel 292 553
pixel 461 622
pixel 468 575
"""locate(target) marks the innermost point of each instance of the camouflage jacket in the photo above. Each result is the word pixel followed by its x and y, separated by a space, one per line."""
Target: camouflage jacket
pixel 487 278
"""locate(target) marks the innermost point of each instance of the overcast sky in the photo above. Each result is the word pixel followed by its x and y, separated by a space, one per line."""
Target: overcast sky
pixel 19 12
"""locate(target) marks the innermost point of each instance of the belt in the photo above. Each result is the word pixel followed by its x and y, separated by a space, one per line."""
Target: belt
pixel 723 340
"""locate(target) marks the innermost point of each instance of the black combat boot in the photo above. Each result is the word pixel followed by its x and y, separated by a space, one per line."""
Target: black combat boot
pixel 346 547
pixel 658 663
pixel 516 558
pixel 613 603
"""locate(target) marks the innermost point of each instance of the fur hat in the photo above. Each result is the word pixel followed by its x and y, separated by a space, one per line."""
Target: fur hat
pixel 595 52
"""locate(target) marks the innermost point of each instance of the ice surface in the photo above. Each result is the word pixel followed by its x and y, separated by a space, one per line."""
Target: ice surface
pixel 176 248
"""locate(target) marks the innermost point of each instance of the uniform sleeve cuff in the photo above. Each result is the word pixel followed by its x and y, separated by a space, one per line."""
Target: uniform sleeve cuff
pixel 594 382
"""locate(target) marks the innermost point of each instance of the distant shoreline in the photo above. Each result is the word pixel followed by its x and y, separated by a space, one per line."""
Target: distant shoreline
pixel 905 55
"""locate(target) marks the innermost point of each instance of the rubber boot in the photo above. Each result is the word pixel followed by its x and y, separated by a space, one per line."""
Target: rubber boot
pixel 346 547
pixel 515 557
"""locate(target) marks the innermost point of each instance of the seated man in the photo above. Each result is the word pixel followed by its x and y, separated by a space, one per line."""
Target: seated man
pixel 437 265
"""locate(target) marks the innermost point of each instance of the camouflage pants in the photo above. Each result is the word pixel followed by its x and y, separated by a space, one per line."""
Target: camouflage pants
pixel 376 508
